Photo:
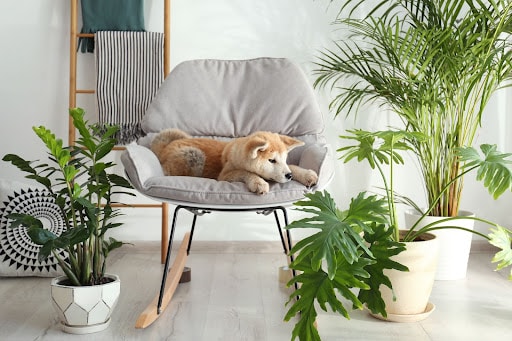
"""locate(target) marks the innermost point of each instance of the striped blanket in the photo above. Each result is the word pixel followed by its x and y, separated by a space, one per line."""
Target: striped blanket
pixel 129 71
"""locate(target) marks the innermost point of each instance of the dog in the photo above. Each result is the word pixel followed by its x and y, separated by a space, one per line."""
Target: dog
pixel 253 160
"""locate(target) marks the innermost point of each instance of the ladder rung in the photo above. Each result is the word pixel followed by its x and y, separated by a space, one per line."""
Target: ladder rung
pixel 85 91
pixel 85 35
pixel 136 205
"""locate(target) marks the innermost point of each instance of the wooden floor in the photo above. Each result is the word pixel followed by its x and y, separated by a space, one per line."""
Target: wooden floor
pixel 235 295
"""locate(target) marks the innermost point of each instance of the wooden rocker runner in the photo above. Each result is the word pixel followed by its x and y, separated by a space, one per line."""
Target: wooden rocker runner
pixel 152 312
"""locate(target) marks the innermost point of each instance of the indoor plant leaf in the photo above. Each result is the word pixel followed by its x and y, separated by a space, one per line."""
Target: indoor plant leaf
pixel 493 169
pixel 383 247
pixel 502 238
pixel 314 285
pixel 337 233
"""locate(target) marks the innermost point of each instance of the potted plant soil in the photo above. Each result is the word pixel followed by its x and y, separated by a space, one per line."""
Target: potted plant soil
pixel 82 186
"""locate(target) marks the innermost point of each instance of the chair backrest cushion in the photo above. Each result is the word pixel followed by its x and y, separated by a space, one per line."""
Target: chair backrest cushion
pixel 232 98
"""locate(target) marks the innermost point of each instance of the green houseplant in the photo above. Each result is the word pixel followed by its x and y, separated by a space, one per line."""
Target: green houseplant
pixel 336 259
pixel 352 249
pixel 435 64
pixel 83 187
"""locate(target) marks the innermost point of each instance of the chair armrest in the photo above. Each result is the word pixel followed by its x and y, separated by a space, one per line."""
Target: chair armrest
pixel 140 164
pixel 318 157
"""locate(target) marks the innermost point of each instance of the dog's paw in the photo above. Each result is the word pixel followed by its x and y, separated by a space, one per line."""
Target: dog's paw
pixel 258 186
pixel 310 178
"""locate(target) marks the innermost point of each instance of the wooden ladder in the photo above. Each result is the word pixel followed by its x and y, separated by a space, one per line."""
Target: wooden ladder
pixel 75 35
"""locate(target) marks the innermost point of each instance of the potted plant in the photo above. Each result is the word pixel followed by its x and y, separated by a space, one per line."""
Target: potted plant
pixel 338 258
pixel 435 64
pixel 83 188
pixel 355 248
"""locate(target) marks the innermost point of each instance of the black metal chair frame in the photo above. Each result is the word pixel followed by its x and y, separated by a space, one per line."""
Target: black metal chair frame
pixel 199 211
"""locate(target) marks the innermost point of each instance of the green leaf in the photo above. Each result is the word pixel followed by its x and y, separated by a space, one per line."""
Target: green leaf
pixel 381 146
pixel 40 235
pixel 502 238
pixel 86 139
pixel 19 162
pixel 104 148
pixel 110 245
pixel 26 220
pixel 383 248
pixel 119 181
pixel 45 251
pixel 335 235
pixel 493 169
pixel 316 286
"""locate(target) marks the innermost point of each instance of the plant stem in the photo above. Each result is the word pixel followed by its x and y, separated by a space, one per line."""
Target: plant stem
pixel 411 231
pixel 390 200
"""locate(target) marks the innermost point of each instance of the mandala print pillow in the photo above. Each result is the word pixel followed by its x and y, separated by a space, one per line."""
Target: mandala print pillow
pixel 18 254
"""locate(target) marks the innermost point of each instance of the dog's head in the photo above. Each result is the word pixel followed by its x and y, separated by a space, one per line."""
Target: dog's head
pixel 268 153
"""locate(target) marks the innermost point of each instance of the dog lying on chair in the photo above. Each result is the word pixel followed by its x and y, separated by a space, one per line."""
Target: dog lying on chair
pixel 254 159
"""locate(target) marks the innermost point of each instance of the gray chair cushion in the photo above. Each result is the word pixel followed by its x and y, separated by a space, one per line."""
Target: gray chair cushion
pixel 226 99
pixel 234 98
pixel 145 173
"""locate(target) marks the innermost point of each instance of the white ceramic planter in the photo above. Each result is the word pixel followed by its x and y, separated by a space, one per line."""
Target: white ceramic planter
pixel 85 309
pixel 412 288
pixel 455 245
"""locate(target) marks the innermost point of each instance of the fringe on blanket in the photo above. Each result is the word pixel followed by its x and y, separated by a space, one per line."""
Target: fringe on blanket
pixel 129 72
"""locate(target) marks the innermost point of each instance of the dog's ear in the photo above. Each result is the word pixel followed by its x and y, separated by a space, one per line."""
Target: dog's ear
pixel 290 142
pixel 255 145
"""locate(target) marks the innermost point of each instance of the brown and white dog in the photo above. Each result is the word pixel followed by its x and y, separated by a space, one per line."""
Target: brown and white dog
pixel 254 159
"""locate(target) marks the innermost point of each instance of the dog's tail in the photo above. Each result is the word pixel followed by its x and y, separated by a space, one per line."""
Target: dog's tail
pixel 165 137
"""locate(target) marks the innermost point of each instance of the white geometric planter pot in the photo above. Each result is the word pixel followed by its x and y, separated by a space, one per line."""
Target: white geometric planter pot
pixel 85 309
pixel 455 245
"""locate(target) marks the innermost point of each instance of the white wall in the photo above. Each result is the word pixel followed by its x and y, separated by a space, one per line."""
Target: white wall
pixel 34 61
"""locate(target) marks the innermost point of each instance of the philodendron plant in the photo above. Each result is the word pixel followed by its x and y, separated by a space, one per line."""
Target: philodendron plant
pixel 83 188
pixel 353 247
pixel 492 168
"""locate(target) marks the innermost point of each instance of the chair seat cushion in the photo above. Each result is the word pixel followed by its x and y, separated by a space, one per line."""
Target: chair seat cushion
pixel 145 173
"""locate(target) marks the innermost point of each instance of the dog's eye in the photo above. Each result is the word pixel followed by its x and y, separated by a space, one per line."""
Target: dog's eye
pixel 272 160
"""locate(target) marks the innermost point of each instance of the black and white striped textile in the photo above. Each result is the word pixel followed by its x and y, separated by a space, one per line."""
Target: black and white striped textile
pixel 129 71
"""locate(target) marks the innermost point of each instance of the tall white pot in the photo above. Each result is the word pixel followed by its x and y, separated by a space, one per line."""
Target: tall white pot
pixel 455 244
pixel 85 309
pixel 412 288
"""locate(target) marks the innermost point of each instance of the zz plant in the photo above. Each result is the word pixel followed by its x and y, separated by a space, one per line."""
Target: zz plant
pixel 83 188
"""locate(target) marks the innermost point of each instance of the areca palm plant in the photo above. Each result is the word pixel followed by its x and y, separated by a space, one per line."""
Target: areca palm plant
pixel 436 64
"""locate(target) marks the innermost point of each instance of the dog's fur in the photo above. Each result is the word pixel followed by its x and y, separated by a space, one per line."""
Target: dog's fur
pixel 252 159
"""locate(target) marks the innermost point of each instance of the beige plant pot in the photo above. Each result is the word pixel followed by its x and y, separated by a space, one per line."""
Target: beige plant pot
pixel 455 245
pixel 85 309
pixel 412 288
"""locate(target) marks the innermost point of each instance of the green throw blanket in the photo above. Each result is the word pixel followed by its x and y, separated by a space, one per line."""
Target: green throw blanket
pixel 110 15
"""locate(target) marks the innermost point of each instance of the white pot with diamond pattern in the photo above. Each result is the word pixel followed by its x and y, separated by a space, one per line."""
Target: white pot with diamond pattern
pixel 85 309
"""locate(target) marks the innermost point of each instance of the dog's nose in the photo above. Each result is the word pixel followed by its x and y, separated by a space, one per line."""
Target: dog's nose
pixel 288 176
